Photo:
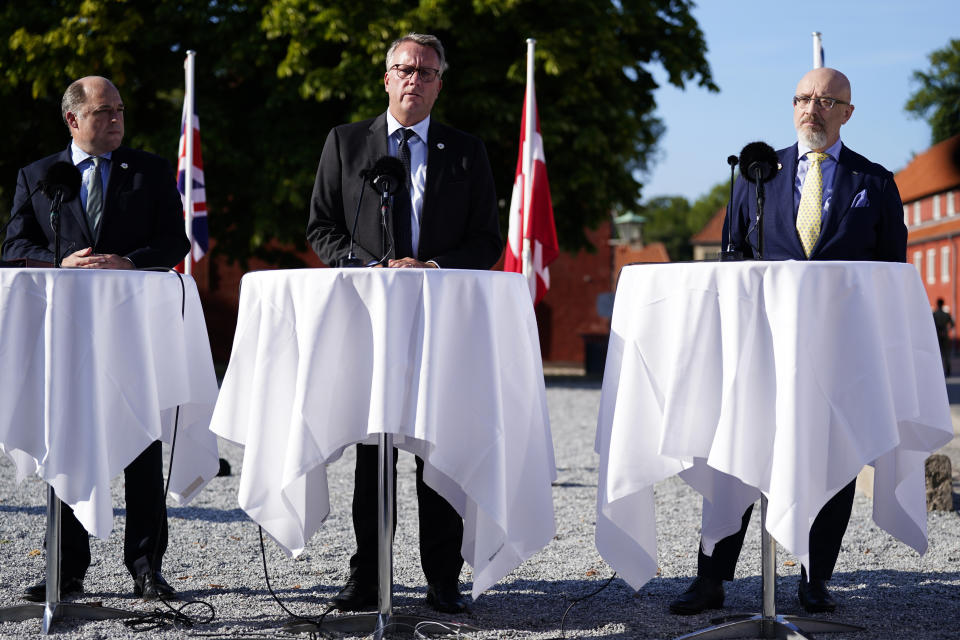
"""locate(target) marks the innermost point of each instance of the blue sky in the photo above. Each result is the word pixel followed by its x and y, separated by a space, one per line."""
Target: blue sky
pixel 758 50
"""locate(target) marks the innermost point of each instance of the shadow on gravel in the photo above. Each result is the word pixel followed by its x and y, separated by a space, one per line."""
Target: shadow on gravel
pixel 196 513
pixel 573 382
pixel 30 511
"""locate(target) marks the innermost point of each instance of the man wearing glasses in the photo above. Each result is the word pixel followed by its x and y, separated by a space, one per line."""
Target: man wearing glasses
pixel 824 203
pixel 445 216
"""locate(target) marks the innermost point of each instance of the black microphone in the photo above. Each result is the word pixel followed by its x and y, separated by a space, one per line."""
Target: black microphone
pixel 62 179
pixel 758 162
pixel 61 184
pixel 387 175
pixel 730 254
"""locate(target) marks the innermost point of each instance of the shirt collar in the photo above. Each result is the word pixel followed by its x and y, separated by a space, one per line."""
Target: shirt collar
pixel 420 128
pixel 78 155
pixel 833 150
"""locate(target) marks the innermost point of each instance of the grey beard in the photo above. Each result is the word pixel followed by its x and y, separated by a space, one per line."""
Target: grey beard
pixel 813 139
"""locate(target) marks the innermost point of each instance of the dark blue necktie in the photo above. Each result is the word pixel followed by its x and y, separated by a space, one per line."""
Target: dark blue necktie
pixel 402 234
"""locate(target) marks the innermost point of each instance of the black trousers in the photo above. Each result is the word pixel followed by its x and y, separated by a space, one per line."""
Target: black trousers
pixel 146 523
pixel 826 534
pixel 441 528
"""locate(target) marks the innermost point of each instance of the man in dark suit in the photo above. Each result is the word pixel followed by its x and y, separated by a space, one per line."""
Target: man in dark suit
pixel 825 203
pixel 444 217
pixel 127 215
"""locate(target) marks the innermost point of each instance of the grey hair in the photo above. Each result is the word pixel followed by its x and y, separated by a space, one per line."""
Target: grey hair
pixel 73 99
pixel 424 40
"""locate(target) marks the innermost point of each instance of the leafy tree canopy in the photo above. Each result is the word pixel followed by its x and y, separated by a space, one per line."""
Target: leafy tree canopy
pixel 273 76
pixel 938 97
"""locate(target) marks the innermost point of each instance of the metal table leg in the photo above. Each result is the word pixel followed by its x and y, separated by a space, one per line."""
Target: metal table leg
pixel 768 624
pixel 53 609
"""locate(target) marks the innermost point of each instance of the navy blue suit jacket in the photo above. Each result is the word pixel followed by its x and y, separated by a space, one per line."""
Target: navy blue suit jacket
pixel 864 220
pixel 459 223
pixel 142 214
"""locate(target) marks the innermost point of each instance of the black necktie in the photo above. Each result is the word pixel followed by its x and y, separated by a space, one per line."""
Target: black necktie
pixel 402 211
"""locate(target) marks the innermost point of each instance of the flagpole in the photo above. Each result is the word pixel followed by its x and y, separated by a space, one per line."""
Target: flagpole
pixel 188 170
pixel 530 109
pixel 817 50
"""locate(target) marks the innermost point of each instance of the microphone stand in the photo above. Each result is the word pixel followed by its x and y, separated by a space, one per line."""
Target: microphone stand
pixel 730 254
pixel 758 174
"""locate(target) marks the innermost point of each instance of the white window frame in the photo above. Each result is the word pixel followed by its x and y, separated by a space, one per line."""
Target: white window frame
pixel 945 263
pixel 936 206
pixel 931 266
pixel 951 208
pixel 918 262
pixel 906 215
pixel 916 213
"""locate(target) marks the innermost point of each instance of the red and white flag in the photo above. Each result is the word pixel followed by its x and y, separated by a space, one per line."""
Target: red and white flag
pixel 532 236
pixel 191 173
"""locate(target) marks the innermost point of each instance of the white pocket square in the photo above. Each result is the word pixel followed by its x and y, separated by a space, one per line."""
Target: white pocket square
pixel 861 200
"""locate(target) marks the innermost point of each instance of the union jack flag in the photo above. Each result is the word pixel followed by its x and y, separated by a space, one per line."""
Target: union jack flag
pixel 198 229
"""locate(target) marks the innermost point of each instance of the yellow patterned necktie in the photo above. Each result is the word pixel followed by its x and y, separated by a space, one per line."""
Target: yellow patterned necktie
pixel 811 203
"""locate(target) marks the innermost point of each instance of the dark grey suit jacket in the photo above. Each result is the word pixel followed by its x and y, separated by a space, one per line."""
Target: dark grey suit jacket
pixel 142 214
pixel 864 221
pixel 459 225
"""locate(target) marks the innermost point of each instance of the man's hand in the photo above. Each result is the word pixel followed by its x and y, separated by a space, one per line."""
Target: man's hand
pixel 410 263
pixel 87 259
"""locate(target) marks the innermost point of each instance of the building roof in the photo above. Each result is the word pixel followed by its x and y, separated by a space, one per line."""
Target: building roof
pixel 935 170
pixel 712 232
pixel 653 252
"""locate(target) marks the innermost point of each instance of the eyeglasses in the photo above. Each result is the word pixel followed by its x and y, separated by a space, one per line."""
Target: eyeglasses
pixel 824 103
pixel 404 71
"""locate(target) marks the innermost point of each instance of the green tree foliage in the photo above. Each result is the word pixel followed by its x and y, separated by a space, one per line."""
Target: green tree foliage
pixel 672 220
pixel 938 98
pixel 273 76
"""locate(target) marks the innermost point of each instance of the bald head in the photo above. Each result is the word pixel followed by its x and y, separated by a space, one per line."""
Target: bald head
pixel 93 112
pixel 819 127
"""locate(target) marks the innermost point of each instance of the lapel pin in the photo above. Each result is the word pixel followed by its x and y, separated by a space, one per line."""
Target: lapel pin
pixel 779 166
pixel 123 165
pixel 439 145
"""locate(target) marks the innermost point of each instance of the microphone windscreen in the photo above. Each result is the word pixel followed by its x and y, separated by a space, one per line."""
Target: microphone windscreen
pixel 387 171
pixel 758 161
pixel 732 160
pixel 63 177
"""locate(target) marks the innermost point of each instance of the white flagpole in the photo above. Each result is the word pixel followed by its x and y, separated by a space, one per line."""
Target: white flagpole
pixel 188 175
pixel 531 113
pixel 817 51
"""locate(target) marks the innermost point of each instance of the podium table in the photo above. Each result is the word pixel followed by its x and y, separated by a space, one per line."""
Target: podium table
pixel 96 363
pixel 446 362
pixel 775 378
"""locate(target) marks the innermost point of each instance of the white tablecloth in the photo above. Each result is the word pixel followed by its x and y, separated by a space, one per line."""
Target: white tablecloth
pixel 780 377
pixel 449 361
pixel 94 365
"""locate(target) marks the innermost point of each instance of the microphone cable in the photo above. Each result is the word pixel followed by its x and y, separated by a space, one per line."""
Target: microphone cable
pixel 318 622
pixel 174 616
pixel 575 601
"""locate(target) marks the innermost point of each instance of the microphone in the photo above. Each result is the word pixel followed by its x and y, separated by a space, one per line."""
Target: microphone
pixel 387 175
pixel 758 162
pixel 730 254
pixel 61 184
pixel 62 181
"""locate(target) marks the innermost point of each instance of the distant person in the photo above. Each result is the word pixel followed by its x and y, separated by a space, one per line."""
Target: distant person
pixel 944 323
pixel 825 203
pixel 128 215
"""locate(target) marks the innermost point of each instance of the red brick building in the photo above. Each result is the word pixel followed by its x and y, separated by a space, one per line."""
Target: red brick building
pixel 930 189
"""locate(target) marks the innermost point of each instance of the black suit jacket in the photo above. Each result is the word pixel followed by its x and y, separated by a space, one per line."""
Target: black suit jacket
pixel 142 214
pixel 864 220
pixel 459 225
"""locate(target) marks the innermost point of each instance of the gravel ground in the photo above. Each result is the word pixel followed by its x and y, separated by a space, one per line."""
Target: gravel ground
pixel 214 555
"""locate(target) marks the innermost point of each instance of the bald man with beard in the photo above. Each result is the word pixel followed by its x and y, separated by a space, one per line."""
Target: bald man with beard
pixel 850 210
